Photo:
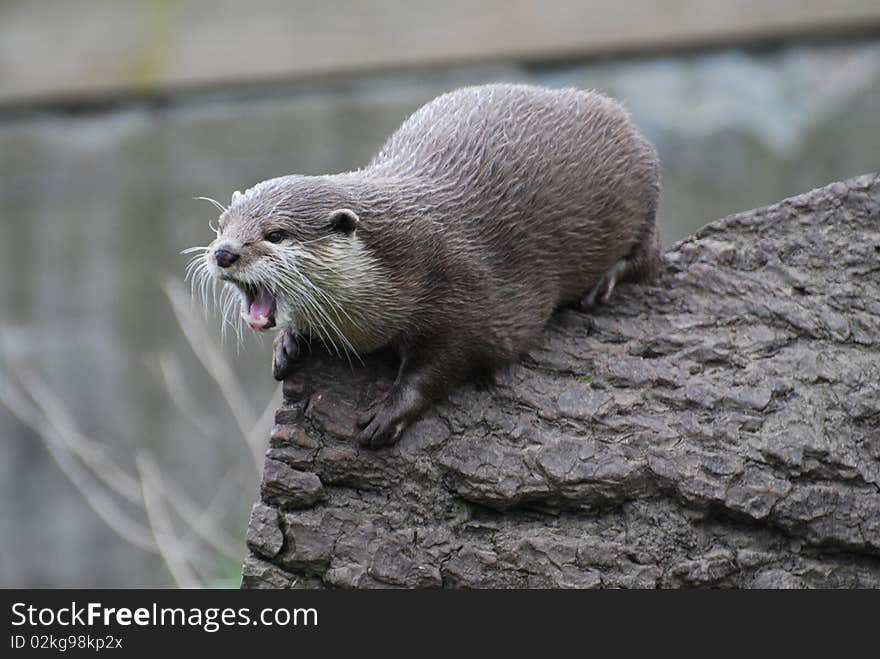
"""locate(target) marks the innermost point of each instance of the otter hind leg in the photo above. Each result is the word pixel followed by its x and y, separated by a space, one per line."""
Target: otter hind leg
pixel 642 264
pixel 601 292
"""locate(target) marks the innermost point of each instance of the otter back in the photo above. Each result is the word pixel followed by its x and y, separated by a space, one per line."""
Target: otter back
pixel 543 191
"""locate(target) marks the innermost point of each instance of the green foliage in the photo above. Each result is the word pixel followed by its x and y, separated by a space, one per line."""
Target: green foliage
pixel 226 573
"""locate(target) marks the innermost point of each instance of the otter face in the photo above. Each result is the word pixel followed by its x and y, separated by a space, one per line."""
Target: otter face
pixel 285 250
pixel 269 259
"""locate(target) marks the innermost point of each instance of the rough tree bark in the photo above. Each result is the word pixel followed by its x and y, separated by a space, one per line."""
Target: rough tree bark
pixel 720 427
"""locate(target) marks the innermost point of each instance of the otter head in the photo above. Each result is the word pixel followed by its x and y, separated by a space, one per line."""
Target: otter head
pixel 285 247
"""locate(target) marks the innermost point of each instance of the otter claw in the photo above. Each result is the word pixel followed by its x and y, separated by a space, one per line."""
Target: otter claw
pixel 364 419
pixel 286 351
pixel 381 430
pixel 601 292
pixel 386 420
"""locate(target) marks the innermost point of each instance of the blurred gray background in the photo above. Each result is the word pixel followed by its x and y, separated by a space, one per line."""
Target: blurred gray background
pixel 114 115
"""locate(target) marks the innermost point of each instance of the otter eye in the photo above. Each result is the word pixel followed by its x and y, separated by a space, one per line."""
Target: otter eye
pixel 275 236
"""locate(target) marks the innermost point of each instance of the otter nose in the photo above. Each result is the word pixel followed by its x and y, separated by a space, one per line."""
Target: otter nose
pixel 225 257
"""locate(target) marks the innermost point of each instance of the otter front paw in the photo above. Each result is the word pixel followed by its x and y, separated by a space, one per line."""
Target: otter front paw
pixel 381 426
pixel 386 420
pixel 286 352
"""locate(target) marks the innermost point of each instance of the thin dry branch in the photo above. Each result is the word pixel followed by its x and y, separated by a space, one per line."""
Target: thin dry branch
pixel 97 497
pixel 170 548
pixel 217 367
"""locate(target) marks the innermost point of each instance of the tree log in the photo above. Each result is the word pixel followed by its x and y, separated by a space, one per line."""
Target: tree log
pixel 718 427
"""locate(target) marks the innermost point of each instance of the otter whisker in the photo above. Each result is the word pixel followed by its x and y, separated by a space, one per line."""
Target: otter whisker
pixel 208 283
pixel 197 248
pixel 204 286
pixel 228 298
pixel 335 307
pixel 217 297
pixel 197 273
pixel 316 316
pixel 316 321
pixel 348 348
pixel 195 260
pixel 310 292
pixel 220 207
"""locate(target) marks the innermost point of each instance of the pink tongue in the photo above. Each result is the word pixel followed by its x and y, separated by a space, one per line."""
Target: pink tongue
pixel 261 309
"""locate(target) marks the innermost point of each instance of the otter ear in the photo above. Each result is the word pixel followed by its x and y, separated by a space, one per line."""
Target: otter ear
pixel 235 196
pixel 344 221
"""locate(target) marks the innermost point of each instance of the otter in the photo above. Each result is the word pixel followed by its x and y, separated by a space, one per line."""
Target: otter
pixel 488 209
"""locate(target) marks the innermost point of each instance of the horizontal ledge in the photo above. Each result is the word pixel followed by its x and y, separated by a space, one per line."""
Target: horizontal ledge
pixel 113 48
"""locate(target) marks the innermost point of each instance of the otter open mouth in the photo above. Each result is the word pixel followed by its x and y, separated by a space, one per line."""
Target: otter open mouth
pixel 259 306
